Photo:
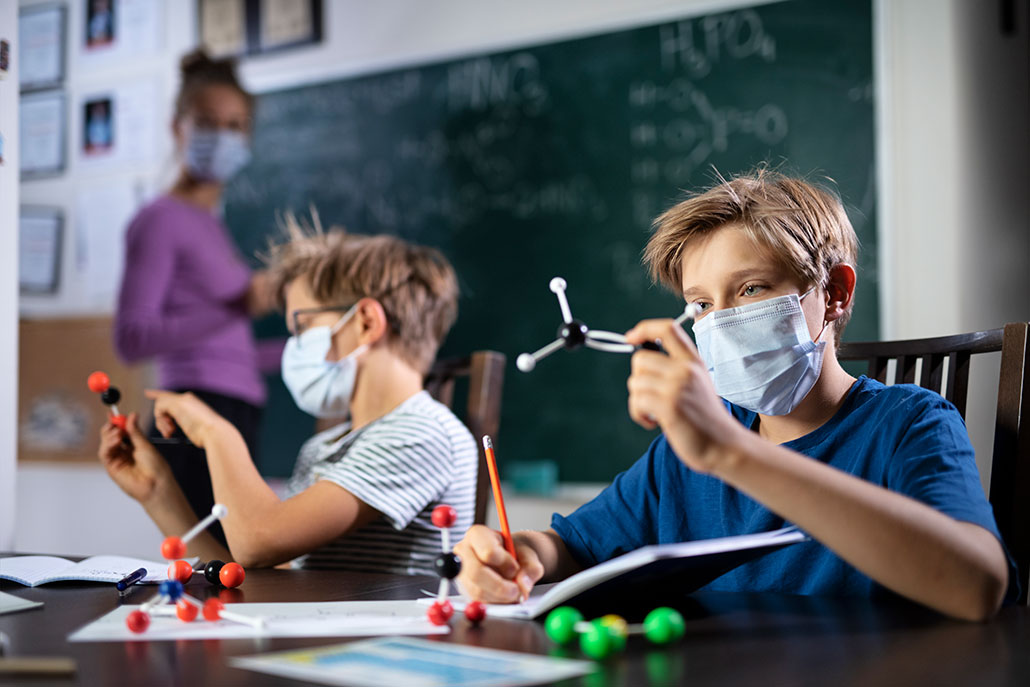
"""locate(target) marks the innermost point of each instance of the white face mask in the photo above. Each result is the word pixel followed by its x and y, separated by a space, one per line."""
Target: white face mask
pixel 320 387
pixel 761 356
pixel 216 154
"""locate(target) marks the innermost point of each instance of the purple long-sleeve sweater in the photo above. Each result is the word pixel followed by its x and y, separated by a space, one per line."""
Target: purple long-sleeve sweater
pixel 182 301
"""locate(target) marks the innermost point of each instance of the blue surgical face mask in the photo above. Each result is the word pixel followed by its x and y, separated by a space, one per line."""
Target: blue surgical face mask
pixel 761 356
pixel 320 387
pixel 216 154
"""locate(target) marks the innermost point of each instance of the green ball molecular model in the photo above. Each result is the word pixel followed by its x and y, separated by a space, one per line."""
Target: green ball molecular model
pixel 607 635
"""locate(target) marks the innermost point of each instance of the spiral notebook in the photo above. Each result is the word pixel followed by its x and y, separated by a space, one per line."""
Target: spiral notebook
pixel 33 571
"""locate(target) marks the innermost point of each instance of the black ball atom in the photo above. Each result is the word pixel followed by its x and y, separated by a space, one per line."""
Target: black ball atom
pixel 574 334
pixel 211 571
pixel 111 396
pixel 447 565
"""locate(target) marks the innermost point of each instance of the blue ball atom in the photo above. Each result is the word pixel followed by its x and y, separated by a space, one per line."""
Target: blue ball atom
pixel 171 588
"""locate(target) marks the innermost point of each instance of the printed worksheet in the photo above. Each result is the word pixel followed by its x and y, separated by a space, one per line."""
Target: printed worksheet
pixel 414 663
pixel 307 619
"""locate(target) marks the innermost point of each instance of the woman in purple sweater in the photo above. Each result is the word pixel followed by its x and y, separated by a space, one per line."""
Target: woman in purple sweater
pixel 187 297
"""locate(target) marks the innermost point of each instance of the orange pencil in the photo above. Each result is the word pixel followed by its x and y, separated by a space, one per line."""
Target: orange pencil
pixel 495 480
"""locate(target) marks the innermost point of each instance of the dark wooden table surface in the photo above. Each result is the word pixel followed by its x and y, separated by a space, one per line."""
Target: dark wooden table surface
pixel 731 639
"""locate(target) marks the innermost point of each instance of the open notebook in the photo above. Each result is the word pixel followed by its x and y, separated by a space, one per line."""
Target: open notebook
pixel 684 567
pixel 33 571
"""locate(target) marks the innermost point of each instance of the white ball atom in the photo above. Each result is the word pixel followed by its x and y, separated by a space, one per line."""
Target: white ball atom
pixel 525 362
pixel 558 284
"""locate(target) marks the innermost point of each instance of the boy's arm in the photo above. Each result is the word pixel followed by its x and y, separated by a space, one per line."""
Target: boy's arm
pixel 142 473
pixel 262 530
pixel 955 567
pixel 489 573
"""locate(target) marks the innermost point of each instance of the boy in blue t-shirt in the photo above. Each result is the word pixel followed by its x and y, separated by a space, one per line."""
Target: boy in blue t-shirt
pixel 882 478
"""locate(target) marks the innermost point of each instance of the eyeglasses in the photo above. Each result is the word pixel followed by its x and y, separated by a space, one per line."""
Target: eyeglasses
pixel 295 317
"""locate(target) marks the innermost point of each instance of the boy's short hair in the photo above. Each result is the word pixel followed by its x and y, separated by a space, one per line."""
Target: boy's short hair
pixel 416 285
pixel 801 224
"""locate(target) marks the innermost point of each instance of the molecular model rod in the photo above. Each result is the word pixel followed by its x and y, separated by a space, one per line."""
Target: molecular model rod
pixel 558 287
pixel 527 361
pixel 612 342
pixel 218 511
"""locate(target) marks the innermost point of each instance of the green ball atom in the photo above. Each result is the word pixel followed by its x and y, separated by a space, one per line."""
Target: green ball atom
pixel 561 624
pixel 664 625
pixel 617 628
pixel 597 641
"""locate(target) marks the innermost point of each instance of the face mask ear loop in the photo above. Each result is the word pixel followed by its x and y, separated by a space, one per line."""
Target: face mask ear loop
pixel 344 319
pixel 825 321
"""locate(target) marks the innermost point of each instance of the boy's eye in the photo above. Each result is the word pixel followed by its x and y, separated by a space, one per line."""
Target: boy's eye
pixel 753 289
pixel 702 306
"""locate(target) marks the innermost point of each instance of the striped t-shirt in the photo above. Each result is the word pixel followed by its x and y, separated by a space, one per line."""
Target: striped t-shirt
pixel 404 464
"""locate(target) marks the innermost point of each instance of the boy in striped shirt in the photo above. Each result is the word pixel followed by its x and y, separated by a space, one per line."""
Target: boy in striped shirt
pixel 366 316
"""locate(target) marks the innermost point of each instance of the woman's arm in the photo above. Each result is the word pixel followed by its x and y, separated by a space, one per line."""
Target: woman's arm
pixel 142 328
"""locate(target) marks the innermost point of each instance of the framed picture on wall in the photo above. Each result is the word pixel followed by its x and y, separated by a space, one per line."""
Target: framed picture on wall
pixel 100 23
pixel 234 28
pixel 42 134
pixel 40 235
pixel 41 41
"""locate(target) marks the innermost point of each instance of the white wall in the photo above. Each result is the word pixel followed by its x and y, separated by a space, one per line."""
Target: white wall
pixel 947 124
pixel 955 170
pixel 8 278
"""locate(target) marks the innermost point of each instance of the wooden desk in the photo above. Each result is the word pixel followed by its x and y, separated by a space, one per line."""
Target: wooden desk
pixel 732 639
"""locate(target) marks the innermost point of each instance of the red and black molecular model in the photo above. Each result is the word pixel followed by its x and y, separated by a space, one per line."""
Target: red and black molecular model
pixel 179 573
pixel 448 566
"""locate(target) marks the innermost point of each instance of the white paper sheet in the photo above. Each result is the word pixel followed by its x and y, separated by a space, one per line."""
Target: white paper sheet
pixel 137 32
pixel 102 215
pixel 9 603
pixel 133 115
pixel 314 619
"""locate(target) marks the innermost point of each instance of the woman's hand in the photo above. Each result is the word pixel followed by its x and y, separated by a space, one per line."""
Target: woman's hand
pixel 131 460
pixel 261 297
pixel 187 412
pixel 675 392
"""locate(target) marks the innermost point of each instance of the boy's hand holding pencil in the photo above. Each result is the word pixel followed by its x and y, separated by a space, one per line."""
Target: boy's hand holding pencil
pixel 494 568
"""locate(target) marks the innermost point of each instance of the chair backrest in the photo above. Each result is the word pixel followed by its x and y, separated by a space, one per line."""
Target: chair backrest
pixel 485 372
pixel 1010 464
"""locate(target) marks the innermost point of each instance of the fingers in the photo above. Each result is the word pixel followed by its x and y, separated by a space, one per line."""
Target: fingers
pixel 487 570
pixel 531 569
pixel 133 430
pixel 674 340
pixel 164 410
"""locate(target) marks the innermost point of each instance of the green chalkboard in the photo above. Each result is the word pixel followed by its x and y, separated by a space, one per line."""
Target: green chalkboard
pixel 552 160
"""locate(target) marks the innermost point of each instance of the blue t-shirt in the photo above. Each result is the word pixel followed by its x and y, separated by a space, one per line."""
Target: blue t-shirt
pixel 902 437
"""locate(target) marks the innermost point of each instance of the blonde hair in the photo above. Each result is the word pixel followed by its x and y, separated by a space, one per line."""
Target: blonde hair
pixel 416 285
pixel 802 225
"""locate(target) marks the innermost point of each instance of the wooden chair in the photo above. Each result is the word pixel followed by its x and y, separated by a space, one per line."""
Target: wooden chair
pixel 485 372
pixel 1010 464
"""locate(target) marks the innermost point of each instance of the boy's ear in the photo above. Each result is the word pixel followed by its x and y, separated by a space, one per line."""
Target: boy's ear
pixel 371 321
pixel 840 288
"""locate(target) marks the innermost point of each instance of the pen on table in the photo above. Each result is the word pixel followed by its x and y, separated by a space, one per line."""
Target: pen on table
pixel 130 579
pixel 495 481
